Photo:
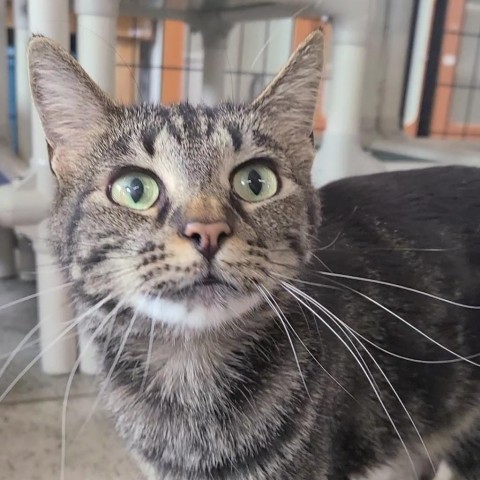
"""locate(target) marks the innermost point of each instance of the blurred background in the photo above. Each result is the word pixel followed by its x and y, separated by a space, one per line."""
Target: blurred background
pixel 401 89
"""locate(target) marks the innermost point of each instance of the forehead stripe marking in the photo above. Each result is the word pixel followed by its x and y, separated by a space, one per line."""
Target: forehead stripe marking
pixel 236 135
pixel 148 140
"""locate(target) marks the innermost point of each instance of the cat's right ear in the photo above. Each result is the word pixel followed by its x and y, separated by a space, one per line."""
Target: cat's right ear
pixel 71 106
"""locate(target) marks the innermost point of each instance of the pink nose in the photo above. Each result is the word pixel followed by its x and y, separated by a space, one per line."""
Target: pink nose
pixel 207 237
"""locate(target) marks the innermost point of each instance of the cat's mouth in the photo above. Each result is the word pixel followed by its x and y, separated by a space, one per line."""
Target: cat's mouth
pixel 207 288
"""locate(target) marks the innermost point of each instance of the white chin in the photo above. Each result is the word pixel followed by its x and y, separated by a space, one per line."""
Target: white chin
pixel 194 315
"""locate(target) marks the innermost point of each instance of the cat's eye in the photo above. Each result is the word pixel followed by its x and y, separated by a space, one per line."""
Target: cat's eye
pixel 255 182
pixel 135 190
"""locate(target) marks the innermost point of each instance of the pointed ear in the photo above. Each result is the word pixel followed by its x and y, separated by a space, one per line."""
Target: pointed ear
pixel 71 106
pixel 289 101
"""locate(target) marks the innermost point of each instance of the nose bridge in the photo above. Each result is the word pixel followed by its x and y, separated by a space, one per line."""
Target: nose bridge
pixel 206 210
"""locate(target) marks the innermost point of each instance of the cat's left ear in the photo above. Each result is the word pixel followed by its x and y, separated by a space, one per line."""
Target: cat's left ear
pixel 288 103
pixel 71 106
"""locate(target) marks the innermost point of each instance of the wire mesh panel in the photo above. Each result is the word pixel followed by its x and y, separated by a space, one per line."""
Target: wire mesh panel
pixel 454 80
pixel 162 61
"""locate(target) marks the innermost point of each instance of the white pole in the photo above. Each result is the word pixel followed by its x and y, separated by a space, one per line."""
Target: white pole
pixel 50 18
pixel 22 89
pixel 96 40
pixel 25 257
pixel 4 126
pixel 214 60
pixel 7 257
pixel 156 61
pixel 418 63
pixel 341 154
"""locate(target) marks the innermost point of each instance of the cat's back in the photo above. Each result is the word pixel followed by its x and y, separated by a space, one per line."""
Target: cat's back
pixel 449 193
pixel 419 228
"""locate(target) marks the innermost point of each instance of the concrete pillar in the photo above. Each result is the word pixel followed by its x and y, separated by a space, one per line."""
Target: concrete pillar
pixel 96 40
pixel 50 18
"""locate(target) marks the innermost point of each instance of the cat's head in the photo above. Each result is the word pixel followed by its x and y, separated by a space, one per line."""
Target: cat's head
pixel 179 212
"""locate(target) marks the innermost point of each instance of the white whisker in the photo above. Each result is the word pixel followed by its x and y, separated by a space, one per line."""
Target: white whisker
pixel 423 334
pixel 17 349
pixel 74 323
pixel 308 350
pixel 149 353
pixel 401 287
pixel 342 325
pixel 110 372
pixel 266 295
pixel 68 387
pixel 34 295
pixel 340 286
pixel 292 289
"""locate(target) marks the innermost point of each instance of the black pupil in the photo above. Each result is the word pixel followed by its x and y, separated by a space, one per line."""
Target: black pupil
pixel 136 189
pixel 255 182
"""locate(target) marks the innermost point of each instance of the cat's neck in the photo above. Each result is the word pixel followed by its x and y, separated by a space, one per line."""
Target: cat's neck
pixel 187 364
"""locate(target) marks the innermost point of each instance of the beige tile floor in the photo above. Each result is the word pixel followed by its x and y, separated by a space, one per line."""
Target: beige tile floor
pixel 30 417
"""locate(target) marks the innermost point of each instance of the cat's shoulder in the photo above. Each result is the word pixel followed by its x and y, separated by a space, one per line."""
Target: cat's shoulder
pixel 449 182
pixel 449 194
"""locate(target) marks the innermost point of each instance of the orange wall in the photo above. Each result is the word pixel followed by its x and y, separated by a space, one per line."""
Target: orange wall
pixel 173 61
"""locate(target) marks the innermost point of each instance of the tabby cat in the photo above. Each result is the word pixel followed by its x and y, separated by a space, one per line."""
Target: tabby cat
pixel 249 326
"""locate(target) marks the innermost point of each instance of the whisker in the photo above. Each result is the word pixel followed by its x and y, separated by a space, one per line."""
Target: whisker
pixel 29 345
pixel 423 334
pixel 34 295
pixel 401 357
pixel 321 261
pixel 68 387
pixel 345 327
pixel 20 346
pixel 149 354
pixel 76 321
pixel 264 292
pixel 110 372
pixel 259 54
pixel 398 398
pixel 401 287
pixel 291 289
pixel 308 350
pixel 17 349
pixel 410 359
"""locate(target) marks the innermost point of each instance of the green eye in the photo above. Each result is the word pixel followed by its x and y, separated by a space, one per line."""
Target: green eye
pixel 135 190
pixel 254 183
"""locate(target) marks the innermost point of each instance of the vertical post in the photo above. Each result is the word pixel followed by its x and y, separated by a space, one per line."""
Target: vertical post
pixel 25 256
pixel 4 126
pixel 341 154
pixel 96 40
pixel 214 59
pixel 22 89
pixel 50 18
pixel 156 61
pixel 7 257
